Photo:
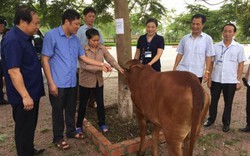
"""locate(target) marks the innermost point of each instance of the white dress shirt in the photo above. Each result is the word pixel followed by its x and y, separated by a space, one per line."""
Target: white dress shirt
pixel 226 62
pixel 194 52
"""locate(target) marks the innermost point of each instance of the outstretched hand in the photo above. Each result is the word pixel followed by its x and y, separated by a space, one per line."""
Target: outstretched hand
pixel 121 70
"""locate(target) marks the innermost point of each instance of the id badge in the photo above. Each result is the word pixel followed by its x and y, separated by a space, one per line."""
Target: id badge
pixel 148 54
pixel 219 62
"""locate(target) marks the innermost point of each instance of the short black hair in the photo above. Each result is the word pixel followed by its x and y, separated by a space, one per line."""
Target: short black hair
pixel 24 13
pixel 230 24
pixel 203 18
pixel 88 10
pixel 152 20
pixel 70 15
pixel 2 21
pixel 91 32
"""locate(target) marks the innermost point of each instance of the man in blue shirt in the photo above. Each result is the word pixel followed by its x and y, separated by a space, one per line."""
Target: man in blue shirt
pixel 23 75
pixel 89 15
pixel 61 49
pixel 2 33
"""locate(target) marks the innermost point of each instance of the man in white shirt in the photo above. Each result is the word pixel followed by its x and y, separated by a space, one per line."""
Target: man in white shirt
pixel 226 70
pixel 195 50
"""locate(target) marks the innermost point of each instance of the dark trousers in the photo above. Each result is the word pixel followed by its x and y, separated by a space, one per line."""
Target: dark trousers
pixel 228 91
pixel 84 96
pixel 65 102
pixel 25 126
pixel 248 107
pixel 1 81
pixel 200 79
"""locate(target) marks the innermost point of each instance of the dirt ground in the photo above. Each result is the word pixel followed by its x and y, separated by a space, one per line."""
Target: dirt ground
pixel 212 141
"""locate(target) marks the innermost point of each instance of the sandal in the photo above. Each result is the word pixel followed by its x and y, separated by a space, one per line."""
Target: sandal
pixel 104 128
pixel 63 145
pixel 79 130
pixel 78 136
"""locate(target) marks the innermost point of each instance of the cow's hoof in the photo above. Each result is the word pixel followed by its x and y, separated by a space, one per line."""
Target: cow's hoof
pixel 140 153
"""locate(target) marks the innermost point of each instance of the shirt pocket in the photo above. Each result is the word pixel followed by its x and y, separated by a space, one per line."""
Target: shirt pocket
pixel 29 55
pixel 200 50
pixel 74 51
pixel 233 57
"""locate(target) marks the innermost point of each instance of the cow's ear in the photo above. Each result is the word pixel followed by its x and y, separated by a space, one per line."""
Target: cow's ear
pixel 136 65
pixel 131 63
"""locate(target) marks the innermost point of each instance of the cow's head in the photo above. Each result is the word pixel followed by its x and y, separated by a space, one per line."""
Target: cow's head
pixel 132 69
pixel 132 64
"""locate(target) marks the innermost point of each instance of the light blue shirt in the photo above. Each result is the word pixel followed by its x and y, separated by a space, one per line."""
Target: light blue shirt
pixel 63 53
pixel 81 34
pixel 194 52
pixel 226 62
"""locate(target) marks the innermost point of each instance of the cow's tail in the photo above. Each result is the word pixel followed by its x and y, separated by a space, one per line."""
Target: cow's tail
pixel 198 106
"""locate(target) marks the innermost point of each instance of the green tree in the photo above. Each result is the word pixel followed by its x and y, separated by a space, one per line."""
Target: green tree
pixel 235 12
pixel 139 12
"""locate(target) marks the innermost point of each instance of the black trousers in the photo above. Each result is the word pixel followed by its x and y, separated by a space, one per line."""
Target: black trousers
pixel 25 126
pixel 228 91
pixel 1 81
pixel 200 79
pixel 65 102
pixel 248 107
pixel 84 94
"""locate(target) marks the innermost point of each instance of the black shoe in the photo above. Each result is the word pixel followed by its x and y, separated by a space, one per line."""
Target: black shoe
pixel 3 102
pixel 38 151
pixel 208 123
pixel 246 129
pixel 225 128
pixel 245 83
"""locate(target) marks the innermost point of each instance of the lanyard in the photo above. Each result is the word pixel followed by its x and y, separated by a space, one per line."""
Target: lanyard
pixel 148 45
pixel 223 52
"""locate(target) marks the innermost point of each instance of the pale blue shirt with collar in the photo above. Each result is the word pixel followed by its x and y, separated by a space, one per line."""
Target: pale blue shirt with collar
pixel 226 62
pixel 81 34
pixel 63 53
pixel 194 52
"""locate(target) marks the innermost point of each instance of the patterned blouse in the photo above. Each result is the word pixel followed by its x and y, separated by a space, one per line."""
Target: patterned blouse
pixel 89 75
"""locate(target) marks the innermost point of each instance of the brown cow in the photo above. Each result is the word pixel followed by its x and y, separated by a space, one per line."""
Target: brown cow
pixel 174 101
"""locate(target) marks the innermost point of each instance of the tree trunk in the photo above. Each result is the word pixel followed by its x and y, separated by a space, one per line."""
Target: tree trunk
pixel 123 46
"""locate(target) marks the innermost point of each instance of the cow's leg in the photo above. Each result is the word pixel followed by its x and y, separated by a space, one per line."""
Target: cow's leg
pixel 186 145
pixel 155 136
pixel 142 133
pixel 174 141
pixel 174 148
